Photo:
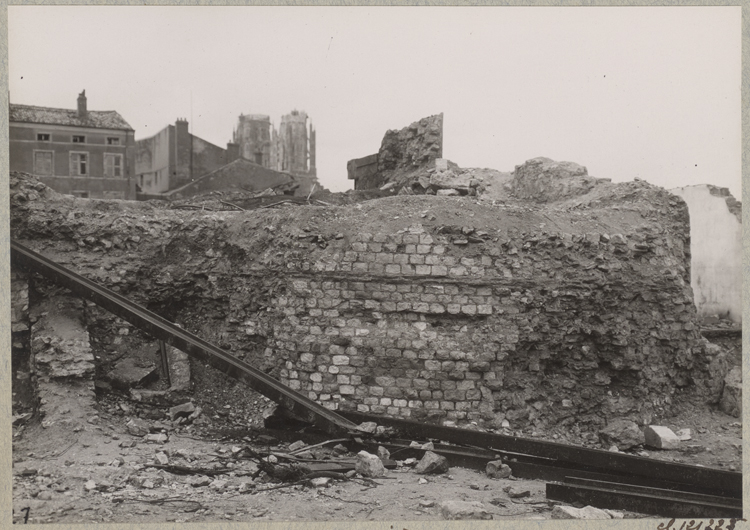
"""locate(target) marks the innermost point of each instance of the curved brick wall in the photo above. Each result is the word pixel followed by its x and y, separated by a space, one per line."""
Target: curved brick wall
pixel 426 307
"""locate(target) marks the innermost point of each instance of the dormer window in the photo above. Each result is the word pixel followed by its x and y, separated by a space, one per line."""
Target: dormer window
pixel 79 139
pixel 42 137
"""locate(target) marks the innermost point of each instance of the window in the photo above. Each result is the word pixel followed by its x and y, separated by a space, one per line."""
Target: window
pixel 79 164
pixel 79 139
pixel 43 163
pixel 112 165
pixel 42 137
pixel 113 141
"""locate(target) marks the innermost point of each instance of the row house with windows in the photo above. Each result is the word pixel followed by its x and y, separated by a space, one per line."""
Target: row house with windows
pixel 74 151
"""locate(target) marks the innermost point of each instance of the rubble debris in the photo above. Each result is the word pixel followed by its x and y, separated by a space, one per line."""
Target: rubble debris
pixel 660 437
pixel 137 427
pixel 383 453
pixel 299 444
pixel 368 427
pixel 684 435
pixel 461 510
pixel 181 411
pixel 587 512
pixel 731 396
pixel 129 373
pixel 544 180
pixel 432 463
pixel 516 493
pixel 159 438
pixel 624 434
pixel 369 465
pixel 321 482
pixel 496 469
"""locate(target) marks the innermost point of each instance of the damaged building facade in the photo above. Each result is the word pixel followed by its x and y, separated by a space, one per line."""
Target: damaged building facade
pixel 716 248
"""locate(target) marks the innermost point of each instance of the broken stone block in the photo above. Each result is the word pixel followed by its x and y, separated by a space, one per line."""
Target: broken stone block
pixel 429 446
pixel 137 427
pixel 684 435
pixel 460 510
pixel 299 444
pixel 369 465
pixel 162 458
pixel 516 493
pixel 320 482
pixel 181 411
pixel 622 433
pixel 340 449
pixel 160 438
pixel 731 396
pixel 199 481
pixel 432 463
pixel 368 427
pixel 130 372
pixel 448 192
pixel 496 469
pixel 90 485
pixel 588 512
pixel 661 437
pixel 383 453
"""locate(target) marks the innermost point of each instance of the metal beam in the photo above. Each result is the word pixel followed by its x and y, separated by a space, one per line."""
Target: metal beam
pixel 727 482
pixel 651 503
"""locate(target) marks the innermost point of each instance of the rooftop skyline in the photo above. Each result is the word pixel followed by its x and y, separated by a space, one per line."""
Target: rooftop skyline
pixel 652 93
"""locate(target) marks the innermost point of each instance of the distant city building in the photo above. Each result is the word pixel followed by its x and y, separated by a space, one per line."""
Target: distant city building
pixel 174 157
pixel 291 149
pixel 74 151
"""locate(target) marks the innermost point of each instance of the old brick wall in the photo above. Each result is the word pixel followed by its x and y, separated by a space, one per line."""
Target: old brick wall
pixel 436 308
pixel 443 331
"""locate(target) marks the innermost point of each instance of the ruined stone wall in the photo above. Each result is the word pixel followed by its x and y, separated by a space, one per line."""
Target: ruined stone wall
pixel 435 308
pixel 716 247
pixel 401 152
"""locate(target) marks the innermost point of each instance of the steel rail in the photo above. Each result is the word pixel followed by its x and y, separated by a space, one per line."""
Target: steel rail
pixel 170 333
pixel 654 502
pixel 727 482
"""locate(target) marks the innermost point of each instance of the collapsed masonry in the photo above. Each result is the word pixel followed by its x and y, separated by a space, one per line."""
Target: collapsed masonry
pixel 570 312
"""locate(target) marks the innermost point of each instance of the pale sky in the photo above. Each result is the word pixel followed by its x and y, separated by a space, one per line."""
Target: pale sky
pixel 647 92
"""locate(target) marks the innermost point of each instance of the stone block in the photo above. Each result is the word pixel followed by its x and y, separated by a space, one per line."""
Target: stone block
pixel 625 434
pixel 369 465
pixel 661 437
pixel 731 396
pixel 432 463
pixel 463 510
pixel 496 469
pixel 569 512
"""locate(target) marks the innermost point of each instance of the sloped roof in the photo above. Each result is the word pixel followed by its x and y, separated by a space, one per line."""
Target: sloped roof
pixel 99 119
pixel 240 173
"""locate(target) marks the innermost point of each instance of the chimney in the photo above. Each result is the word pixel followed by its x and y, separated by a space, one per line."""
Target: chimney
pixel 233 151
pixel 82 112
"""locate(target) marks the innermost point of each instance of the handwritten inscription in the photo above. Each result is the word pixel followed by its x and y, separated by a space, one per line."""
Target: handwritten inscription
pixel 697 525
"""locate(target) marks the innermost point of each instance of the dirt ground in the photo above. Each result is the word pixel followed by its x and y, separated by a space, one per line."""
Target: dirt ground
pixel 101 473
